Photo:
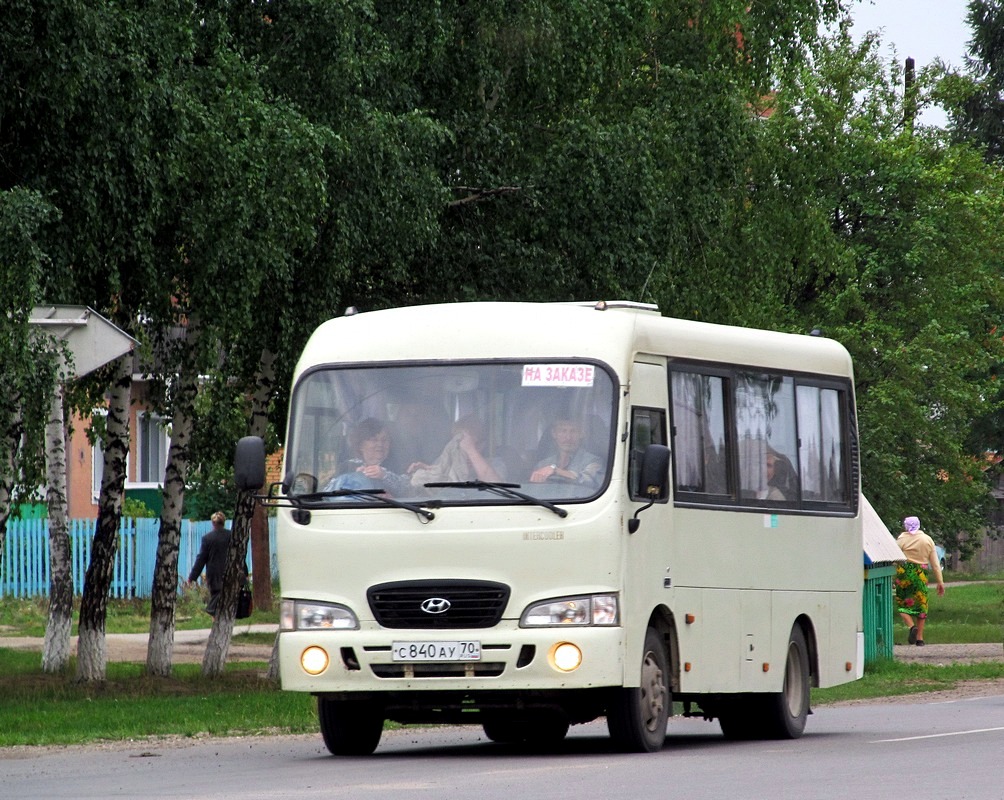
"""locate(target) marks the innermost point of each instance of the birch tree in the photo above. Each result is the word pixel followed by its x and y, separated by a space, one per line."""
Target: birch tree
pixel 92 655
pixel 233 247
pixel 25 370
pixel 56 645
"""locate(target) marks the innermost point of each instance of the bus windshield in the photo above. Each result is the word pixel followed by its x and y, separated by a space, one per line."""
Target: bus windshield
pixel 448 433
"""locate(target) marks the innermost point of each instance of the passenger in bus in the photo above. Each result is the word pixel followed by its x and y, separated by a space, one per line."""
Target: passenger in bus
pixel 461 458
pixel 568 462
pixel 782 482
pixel 370 443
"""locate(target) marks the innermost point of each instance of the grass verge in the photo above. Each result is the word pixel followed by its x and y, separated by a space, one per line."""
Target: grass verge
pixel 889 678
pixel 42 709
pixel 28 617
pixel 965 614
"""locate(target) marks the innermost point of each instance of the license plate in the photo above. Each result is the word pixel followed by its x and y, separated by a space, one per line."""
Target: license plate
pixel 436 651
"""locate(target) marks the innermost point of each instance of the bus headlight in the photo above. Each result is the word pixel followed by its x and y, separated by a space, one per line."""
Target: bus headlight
pixel 596 609
pixel 299 615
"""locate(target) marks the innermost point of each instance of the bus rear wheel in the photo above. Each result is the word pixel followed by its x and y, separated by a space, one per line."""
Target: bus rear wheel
pixel 778 715
pixel 350 727
pixel 787 710
pixel 637 717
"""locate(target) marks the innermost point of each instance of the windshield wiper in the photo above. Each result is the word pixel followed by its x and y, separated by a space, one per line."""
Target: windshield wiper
pixel 502 489
pixel 376 494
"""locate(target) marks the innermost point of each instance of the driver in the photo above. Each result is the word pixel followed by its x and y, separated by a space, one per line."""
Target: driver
pixel 569 463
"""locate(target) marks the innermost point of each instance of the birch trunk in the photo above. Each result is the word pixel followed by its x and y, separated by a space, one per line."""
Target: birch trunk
pixel 160 648
pixel 92 656
pixel 218 646
pixel 56 646
pixel 261 559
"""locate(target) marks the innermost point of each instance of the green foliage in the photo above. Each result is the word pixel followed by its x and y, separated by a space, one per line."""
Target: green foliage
pixel 136 509
pixel 978 114
pixel 255 167
pixel 27 368
pixel 892 246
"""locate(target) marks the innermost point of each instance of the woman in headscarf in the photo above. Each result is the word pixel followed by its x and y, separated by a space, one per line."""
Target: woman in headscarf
pixel 911 577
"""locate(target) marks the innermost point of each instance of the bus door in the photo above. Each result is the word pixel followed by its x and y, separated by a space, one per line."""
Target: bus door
pixel 648 571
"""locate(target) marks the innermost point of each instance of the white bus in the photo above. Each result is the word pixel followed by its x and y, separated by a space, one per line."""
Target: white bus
pixel 532 515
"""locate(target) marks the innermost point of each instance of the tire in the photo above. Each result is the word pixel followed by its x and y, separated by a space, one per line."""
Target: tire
pixel 540 729
pixel 637 717
pixel 349 727
pixel 787 710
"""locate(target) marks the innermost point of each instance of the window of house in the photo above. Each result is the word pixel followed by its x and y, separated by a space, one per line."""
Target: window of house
pixel 152 442
pixel 97 469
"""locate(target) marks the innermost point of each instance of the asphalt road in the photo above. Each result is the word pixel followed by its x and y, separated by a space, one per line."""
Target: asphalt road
pixel 914 748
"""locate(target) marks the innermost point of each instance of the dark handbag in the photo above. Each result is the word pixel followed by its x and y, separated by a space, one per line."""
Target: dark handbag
pixel 245 603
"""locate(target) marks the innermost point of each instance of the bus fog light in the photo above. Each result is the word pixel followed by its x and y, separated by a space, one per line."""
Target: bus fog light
pixel 565 657
pixel 314 660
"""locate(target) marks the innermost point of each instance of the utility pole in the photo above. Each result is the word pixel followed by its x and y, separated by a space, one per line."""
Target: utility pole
pixel 909 94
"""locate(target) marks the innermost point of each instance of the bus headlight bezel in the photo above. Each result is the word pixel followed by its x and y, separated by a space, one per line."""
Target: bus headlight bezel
pixel 587 610
pixel 303 615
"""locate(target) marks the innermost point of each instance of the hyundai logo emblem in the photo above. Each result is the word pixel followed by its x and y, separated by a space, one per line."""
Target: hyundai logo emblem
pixel 435 605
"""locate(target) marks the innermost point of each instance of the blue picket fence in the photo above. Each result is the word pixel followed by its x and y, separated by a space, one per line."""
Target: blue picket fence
pixel 25 568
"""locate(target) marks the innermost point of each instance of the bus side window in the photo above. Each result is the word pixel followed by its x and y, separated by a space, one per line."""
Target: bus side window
pixel 700 457
pixel 648 426
pixel 767 438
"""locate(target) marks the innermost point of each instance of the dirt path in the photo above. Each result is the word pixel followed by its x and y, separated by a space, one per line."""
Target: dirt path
pixel 189 646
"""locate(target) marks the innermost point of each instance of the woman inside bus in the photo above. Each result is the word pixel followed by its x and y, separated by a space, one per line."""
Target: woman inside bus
pixel 782 482
pixel 370 444
pixel 461 458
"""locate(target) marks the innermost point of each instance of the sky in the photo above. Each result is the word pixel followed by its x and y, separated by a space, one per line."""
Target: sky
pixel 921 29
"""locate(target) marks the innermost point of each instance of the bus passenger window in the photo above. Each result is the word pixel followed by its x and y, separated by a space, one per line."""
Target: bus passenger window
pixel 821 447
pixel 648 426
pixel 767 439
pixel 700 459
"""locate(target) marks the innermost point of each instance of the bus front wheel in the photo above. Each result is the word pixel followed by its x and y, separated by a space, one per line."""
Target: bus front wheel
pixel 539 729
pixel 349 727
pixel 637 717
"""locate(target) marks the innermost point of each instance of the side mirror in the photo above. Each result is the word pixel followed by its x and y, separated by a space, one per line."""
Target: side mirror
pixel 654 471
pixel 654 479
pixel 249 464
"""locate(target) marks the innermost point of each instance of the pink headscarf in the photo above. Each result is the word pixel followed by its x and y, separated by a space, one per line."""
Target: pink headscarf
pixel 911 525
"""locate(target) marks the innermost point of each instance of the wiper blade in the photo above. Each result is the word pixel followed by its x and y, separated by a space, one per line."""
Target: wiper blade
pixel 376 494
pixel 509 490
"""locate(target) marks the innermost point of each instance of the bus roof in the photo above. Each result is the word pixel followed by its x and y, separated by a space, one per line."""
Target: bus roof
pixel 615 334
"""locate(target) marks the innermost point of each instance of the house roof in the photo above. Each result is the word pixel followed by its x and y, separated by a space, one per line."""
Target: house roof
pixel 879 544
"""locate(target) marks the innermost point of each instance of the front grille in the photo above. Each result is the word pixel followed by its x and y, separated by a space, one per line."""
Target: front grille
pixel 480 669
pixel 471 604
